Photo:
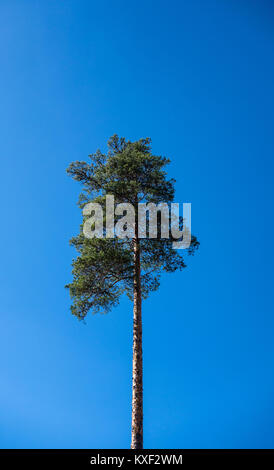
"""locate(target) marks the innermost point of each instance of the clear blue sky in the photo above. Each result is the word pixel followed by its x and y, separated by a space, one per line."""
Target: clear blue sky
pixel 197 77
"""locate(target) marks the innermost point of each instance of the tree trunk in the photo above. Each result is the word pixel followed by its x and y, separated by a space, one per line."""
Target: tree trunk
pixel 137 366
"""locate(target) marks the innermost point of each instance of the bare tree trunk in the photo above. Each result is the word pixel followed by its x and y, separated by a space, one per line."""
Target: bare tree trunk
pixel 137 366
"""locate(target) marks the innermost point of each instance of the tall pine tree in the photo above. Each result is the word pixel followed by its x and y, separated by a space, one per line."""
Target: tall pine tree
pixel 108 267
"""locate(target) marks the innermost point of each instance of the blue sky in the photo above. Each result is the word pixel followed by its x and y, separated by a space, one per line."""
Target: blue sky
pixel 197 77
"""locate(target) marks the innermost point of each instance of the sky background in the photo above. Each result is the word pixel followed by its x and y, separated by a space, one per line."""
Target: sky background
pixel 197 77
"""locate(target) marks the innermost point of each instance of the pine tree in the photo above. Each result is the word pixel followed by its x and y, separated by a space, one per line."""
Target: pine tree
pixel 108 267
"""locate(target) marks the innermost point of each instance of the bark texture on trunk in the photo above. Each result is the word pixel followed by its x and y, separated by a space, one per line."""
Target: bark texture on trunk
pixel 137 366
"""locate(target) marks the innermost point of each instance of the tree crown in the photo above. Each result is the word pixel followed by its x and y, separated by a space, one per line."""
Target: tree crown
pixel 104 268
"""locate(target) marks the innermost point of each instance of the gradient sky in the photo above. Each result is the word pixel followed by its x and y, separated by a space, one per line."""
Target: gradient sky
pixel 197 77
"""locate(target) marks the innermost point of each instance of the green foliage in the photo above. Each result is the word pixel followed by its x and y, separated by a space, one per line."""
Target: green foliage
pixel 104 268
